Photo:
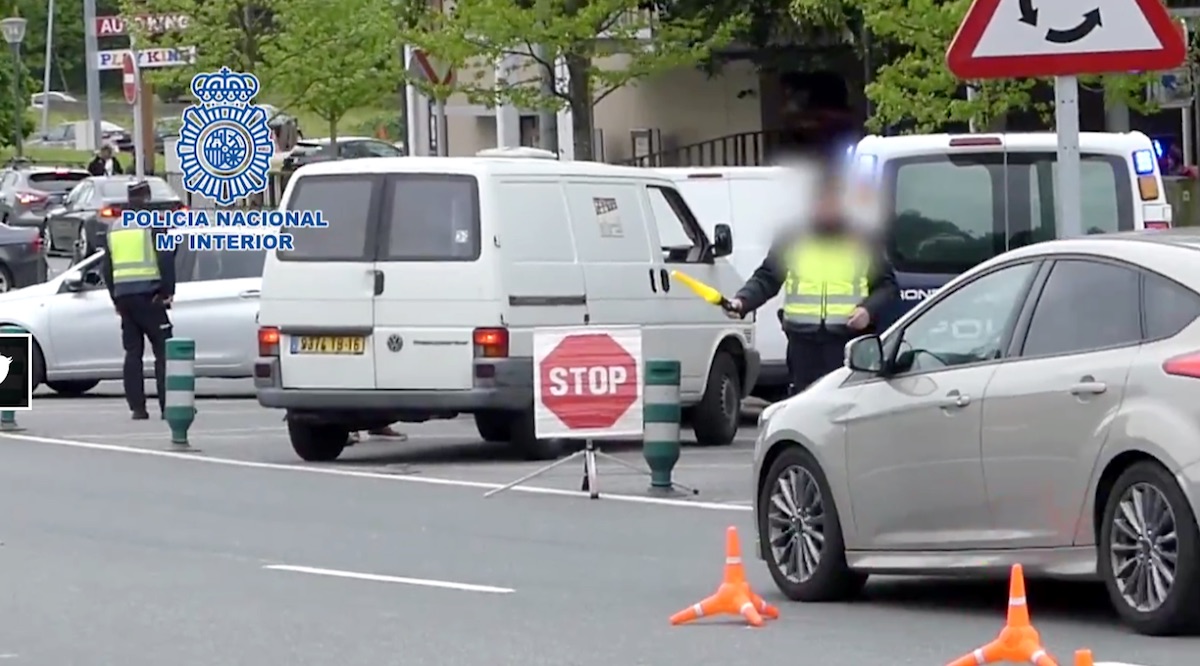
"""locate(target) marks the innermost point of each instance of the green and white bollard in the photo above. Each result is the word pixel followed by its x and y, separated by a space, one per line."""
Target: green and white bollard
pixel 8 418
pixel 179 404
pixel 661 415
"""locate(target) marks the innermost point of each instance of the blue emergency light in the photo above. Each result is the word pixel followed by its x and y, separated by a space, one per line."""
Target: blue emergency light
pixel 1143 162
pixel 1158 147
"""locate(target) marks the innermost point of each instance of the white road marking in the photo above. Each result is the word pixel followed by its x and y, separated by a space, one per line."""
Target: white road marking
pixel 379 578
pixel 333 471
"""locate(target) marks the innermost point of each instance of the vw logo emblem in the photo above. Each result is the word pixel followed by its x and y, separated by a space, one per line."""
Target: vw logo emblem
pixel 395 343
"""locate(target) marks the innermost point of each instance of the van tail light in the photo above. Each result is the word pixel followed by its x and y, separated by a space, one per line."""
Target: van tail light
pixel 268 341
pixel 30 198
pixel 109 213
pixel 1187 365
pixel 1157 225
pixel 491 342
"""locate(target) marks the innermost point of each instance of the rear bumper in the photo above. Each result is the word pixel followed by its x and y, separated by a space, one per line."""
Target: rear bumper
pixel 501 384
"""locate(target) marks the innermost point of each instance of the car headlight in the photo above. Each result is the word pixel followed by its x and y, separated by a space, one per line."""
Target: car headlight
pixel 769 411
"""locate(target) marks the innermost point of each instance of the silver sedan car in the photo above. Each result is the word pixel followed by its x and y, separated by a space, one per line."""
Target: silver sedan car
pixel 77 334
pixel 1041 409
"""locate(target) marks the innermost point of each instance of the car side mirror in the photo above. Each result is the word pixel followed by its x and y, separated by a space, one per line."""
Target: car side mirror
pixel 73 283
pixel 865 354
pixel 722 241
pixel 92 279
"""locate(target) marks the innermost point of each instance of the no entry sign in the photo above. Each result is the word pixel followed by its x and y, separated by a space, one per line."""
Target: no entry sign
pixel 129 79
pixel 587 382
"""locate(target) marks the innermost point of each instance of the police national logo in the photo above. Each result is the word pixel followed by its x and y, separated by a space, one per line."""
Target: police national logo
pixel 225 144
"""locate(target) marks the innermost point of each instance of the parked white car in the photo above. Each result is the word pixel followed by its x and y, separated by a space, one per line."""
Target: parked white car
pixel 77 334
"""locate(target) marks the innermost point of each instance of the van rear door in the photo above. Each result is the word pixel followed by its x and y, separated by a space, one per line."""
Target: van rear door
pixel 438 283
pixel 320 294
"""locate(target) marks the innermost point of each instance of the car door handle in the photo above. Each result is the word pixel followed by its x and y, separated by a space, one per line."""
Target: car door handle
pixel 954 399
pixel 378 282
pixel 250 293
pixel 665 278
pixel 1088 386
pixel 653 284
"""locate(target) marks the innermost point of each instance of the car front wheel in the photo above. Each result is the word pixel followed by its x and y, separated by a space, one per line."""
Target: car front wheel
pixel 1149 552
pixel 799 533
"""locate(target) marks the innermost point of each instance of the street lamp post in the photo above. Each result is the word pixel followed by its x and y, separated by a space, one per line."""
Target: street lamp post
pixel 13 30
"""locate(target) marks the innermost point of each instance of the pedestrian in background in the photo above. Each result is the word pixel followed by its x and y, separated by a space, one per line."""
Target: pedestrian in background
pixel 105 163
pixel 836 281
pixel 141 282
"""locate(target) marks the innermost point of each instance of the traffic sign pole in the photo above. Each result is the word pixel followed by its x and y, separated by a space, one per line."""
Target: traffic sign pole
pixel 1066 125
pixel 135 101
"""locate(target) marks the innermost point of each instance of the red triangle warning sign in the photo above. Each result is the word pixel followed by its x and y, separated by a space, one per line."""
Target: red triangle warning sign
pixel 1016 38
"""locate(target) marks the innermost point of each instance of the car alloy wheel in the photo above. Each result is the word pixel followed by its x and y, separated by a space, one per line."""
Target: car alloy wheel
pixel 796 524
pixel 1144 547
pixel 5 285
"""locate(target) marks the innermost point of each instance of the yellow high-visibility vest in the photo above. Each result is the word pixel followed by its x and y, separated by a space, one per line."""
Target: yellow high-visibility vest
pixel 132 254
pixel 826 280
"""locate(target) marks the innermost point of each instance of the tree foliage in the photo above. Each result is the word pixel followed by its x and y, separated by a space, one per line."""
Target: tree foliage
pixel 601 45
pixel 912 89
pixel 13 110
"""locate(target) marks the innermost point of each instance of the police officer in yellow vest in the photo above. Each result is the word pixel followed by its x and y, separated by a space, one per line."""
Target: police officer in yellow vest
pixel 835 283
pixel 141 281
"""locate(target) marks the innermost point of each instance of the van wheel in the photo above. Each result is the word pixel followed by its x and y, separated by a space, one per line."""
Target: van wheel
pixel 716 417
pixel 317 442
pixel 522 439
pixel 494 426
pixel 1148 554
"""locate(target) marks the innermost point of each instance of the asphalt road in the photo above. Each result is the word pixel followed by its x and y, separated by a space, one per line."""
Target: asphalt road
pixel 117 551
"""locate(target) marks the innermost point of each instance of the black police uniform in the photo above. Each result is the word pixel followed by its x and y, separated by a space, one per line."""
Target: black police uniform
pixel 815 350
pixel 143 312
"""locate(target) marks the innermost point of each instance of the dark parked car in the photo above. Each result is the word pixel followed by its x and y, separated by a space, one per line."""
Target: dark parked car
pixel 78 227
pixel 27 191
pixel 22 257
pixel 308 151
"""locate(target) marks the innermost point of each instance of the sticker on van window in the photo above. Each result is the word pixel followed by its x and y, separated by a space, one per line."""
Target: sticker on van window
pixel 462 236
pixel 608 217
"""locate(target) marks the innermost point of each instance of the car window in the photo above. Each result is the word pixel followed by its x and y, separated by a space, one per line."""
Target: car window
pixel 1107 197
pixel 679 233
pixel 379 149
pixel 1167 306
pixel 118 188
pixel 57 181
pixel 1084 305
pixel 79 196
pixel 433 218
pixel 970 324
pixel 226 265
pixel 345 203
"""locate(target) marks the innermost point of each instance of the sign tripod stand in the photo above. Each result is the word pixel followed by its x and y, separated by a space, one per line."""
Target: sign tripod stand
pixel 591 455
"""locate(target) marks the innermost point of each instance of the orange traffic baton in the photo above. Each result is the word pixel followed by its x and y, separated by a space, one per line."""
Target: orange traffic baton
pixel 734 596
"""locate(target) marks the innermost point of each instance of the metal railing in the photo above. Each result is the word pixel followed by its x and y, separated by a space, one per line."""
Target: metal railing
pixel 734 150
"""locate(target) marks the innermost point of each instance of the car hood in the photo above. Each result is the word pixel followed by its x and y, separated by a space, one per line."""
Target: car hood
pixel 32 293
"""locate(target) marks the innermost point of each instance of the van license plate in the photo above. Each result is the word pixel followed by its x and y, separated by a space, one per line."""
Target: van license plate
pixel 328 344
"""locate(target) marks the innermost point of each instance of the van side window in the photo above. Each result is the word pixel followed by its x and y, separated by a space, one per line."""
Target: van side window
pixel 432 217
pixel 345 203
pixel 680 235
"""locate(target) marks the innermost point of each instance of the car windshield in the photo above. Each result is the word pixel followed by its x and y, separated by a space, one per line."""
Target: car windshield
pixel 118 188
pixel 56 181
pixel 952 212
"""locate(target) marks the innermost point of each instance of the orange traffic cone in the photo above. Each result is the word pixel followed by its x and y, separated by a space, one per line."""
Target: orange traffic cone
pixel 1018 641
pixel 734 596
pixel 1084 658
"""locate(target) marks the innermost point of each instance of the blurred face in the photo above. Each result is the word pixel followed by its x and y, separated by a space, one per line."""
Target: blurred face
pixel 106 152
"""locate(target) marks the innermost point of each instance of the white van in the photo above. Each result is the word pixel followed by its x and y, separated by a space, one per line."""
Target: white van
pixel 419 300
pixel 755 202
pixel 957 200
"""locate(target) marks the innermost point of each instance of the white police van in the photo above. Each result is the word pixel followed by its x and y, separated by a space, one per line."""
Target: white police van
pixel 420 299
pixel 954 201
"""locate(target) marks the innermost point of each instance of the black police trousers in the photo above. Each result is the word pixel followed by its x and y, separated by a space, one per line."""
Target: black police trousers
pixel 143 318
pixel 811 356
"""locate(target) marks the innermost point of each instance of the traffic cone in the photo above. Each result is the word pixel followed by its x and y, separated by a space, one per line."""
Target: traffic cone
pixel 1018 641
pixel 1084 658
pixel 734 596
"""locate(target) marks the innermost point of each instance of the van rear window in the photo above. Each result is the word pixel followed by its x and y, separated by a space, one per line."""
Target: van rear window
pixel 345 203
pixel 431 217
pixel 950 213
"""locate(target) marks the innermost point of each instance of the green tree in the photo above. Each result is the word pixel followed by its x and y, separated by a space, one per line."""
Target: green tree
pixel 226 33
pixel 12 110
pixel 912 89
pixel 332 57
pixel 603 45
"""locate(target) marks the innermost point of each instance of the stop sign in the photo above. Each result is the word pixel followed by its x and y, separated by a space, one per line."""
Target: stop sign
pixel 129 78
pixel 589 381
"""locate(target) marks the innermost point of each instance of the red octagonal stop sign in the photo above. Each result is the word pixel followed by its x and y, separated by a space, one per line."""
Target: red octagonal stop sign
pixel 589 381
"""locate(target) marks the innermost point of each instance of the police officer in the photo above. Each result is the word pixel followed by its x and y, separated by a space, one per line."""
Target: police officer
pixel 836 284
pixel 141 281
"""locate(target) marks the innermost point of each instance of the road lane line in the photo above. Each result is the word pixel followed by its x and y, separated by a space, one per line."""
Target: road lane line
pixel 332 471
pixel 379 578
